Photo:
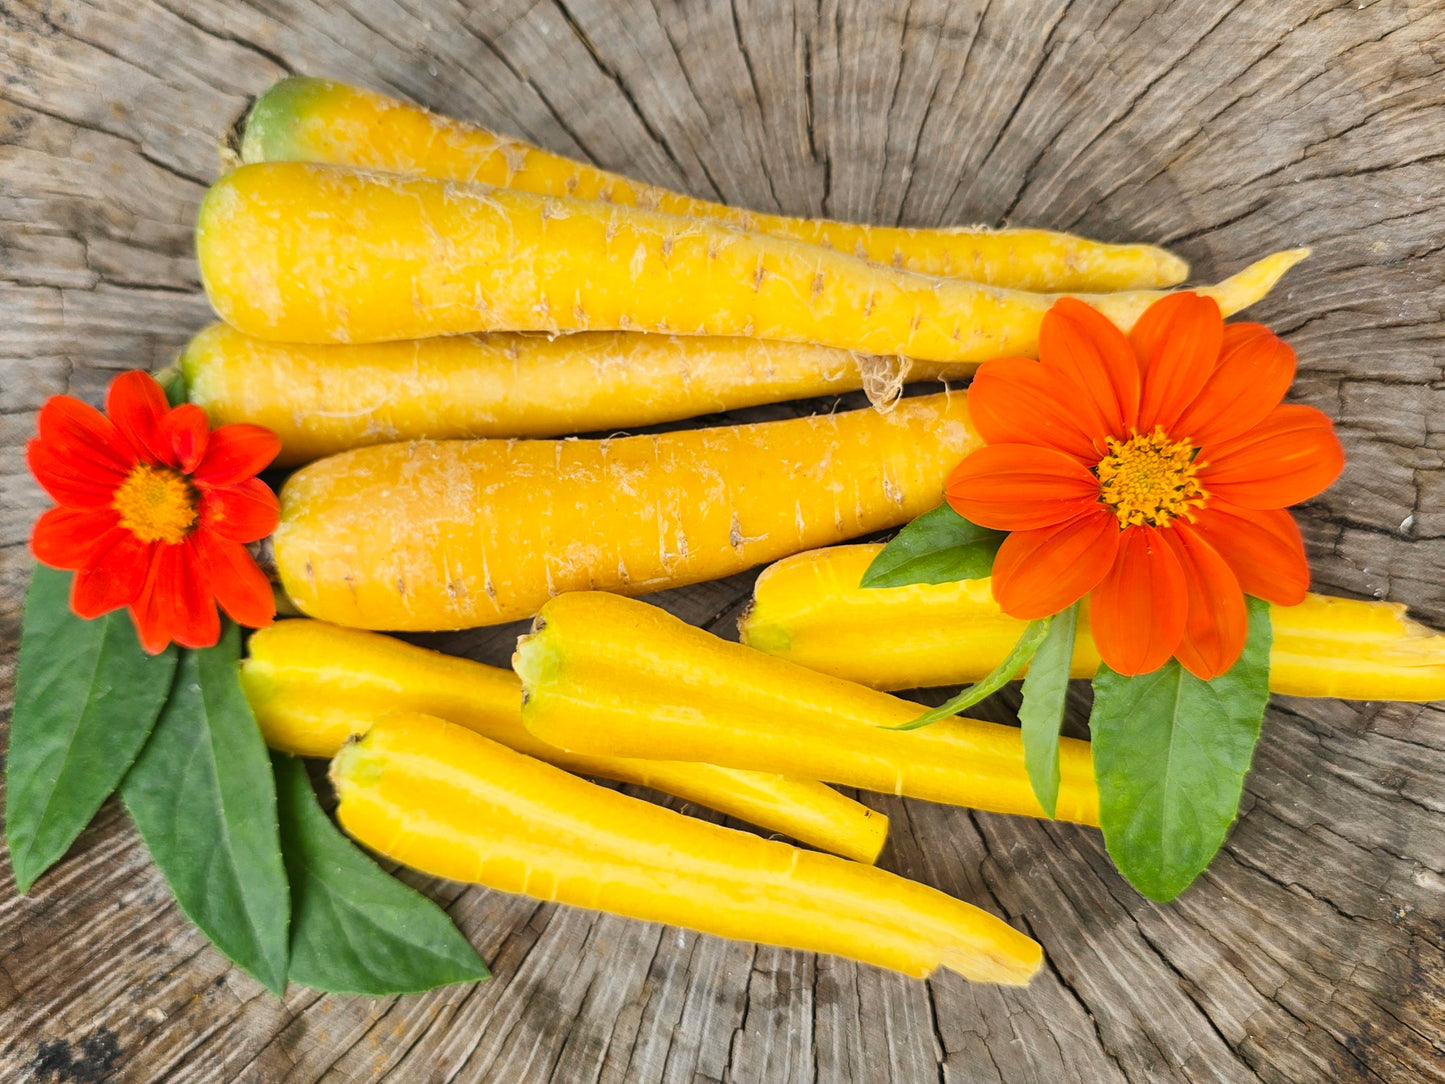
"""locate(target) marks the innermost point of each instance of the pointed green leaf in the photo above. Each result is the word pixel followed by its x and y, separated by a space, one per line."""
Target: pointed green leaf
pixel 1170 755
pixel 1023 650
pixel 937 547
pixel 172 380
pixel 354 928
pixel 86 697
pixel 1046 687
pixel 202 796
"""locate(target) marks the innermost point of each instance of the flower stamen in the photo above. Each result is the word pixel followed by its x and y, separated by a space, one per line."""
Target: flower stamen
pixel 157 504
pixel 1149 479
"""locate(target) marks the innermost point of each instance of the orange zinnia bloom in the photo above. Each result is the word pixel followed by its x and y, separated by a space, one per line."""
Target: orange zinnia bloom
pixel 1149 472
pixel 154 512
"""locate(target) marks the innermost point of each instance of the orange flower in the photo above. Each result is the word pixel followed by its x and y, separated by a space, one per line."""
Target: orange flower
pixel 154 512
pixel 1150 473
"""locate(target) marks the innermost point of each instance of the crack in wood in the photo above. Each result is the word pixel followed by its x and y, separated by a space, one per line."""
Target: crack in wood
pixel 612 74
pixel 1045 55
pixel 180 12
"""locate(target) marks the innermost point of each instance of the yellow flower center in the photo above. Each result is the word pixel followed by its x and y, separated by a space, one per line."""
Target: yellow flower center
pixel 1149 479
pixel 156 504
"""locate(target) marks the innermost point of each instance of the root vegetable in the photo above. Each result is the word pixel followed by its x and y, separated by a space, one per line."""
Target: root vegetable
pixel 313 686
pixel 323 399
pixel 454 534
pixel 449 802
pixel 310 253
pixel 303 119
pixel 601 672
pixel 809 609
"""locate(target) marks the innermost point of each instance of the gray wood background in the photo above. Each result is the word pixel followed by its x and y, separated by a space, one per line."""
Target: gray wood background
pixel 1313 950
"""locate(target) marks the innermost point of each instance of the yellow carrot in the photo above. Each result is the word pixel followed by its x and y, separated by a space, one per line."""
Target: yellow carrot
pixel 313 686
pixel 809 609
pixel 454 534
pixel 322 399
pixel 310 253
pixel 603 672
pixel 302 119
pixel 449 802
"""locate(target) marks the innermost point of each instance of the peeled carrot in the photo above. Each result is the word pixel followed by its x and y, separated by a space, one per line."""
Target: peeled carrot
pixel 313 686
pixel 601 672
pixel 302 119
pixel 454 534
pixel 809 609
pixel 449 802
pixel 323 399
pixel 310 253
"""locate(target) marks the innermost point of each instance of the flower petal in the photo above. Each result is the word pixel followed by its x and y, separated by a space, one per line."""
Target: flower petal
pixel 1177 341
pixel 79 457
pixel 175 602
pixel 136 404
pixel 1217 622
pixel 66 537
pixel 71 480
pixel 239 585
pixel 1017 487
pixel 74 430
pixel 1082 344
pixel 1263 548
pixel 195 622
pixel 1020 401
pixel 184 434
pixel 1137 612
pixel 1039 572
pixel 154 611
pixel 1289 457
pixel 237 452
pixel 243 513
pixel 113 576
pixel 1254 371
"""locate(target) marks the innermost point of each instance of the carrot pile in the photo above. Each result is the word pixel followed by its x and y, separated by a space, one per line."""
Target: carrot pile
pixel 427 313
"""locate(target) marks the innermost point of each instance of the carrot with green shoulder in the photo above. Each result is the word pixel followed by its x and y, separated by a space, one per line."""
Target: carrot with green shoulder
pixel 304 119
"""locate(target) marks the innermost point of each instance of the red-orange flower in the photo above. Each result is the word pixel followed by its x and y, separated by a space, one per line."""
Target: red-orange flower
pixel 1149 472
pixel 154 512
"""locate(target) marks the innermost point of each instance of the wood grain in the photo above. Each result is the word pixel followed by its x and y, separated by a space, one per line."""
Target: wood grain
pixel 1314 948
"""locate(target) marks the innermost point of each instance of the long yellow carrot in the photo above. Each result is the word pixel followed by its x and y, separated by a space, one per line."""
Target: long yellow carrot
pixel 311 253
pixel 454 534
pixel 449 802
pixel 302 119
pixel 313 686
pixel 809 609
pixel 323 399
pixel 602 672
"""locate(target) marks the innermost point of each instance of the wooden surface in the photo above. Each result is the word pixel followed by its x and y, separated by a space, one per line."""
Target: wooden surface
pixel 1311 951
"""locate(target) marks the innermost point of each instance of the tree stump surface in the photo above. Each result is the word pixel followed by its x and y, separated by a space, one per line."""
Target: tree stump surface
pixel 1312 950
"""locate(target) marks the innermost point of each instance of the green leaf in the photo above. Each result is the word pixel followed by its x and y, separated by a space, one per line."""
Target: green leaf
pixel 937 547
pixel 86 697
pixel 172 380
pixel 1023 650
pixel 1046 686
pixel 202 796
pixel 1170 755
pixel 354 928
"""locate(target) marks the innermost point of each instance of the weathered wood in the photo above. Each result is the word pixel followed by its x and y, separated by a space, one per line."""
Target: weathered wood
pixel 1314 948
